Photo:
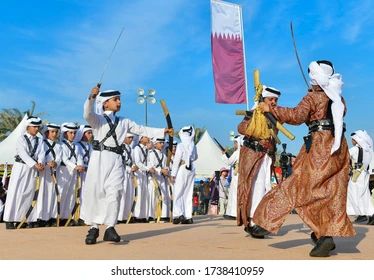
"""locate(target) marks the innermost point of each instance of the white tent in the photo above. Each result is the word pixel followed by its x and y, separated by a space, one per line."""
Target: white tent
pixel 209 157
pixel 8 145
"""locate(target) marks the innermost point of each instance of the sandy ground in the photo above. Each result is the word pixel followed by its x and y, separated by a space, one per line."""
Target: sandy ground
pixel 209 238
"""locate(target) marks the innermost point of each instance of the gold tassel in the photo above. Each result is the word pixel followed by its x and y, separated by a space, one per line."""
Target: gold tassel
pixel 258 126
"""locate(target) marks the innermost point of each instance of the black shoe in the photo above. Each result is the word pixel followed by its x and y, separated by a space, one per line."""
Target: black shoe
pixel 151 219
pixel 361 219
pixel 81 222
pixel 323 247
pixel 111 235
pixel 228 217
pixel 258 232
pixel 9 225
pixel 92 235
pixel 371 220
pixel 315 239
pixel 187 221
pixel 248 229
pixel 176 221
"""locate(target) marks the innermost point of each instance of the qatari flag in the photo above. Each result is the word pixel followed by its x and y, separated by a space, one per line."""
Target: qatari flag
pixel 227 53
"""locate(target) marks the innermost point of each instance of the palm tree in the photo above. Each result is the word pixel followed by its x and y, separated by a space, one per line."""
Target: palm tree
pixel 10 118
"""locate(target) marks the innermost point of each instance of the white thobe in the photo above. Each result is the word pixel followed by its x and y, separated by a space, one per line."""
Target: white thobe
pixel 184 183
pixel 104 181
pixel 359 201
pixel 67 178
pixel 22 181
pixel 47 199
pixel 128 188
pixel 232 161
pixel 262 184
pixel 160 179
pixel 141 160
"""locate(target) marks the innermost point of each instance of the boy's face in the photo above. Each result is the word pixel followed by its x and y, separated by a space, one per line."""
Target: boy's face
pixel 113 104
pixel 87 136
pixel 52 134
pixel 70 135
pixel 159 145
pixel 32 130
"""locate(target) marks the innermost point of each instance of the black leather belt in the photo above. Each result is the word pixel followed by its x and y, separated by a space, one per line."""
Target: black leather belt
pixel 17 158
pixel 254 145
pixel 96 146
pixel 324 124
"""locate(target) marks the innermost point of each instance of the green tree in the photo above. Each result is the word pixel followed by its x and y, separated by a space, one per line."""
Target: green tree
pixel 10 118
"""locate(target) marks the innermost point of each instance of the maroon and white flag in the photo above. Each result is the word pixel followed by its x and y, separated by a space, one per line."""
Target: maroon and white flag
pixel 228 53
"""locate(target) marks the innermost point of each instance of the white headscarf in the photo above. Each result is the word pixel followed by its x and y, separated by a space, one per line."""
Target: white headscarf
pixel 322 74
pixel 363 139
pixel 67 126
pixel 80 132
pixel 32 121
pixel 268 92
pixel 104 96
pixel 187 134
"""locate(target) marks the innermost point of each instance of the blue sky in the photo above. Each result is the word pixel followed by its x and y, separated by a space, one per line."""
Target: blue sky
pixel 53 52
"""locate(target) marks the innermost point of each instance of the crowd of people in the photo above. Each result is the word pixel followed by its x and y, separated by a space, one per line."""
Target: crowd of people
pixel 113 170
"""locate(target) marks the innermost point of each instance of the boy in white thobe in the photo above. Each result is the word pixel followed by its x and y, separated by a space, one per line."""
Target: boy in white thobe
pixel 22 184
pixel 105 174
pixel 47 199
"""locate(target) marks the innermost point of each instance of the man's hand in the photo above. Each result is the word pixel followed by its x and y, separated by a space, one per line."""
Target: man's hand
pixel 94 92
pixel 134 168
pixel 152 170
pixel 39 166
pixel 80 168
pixel 169 131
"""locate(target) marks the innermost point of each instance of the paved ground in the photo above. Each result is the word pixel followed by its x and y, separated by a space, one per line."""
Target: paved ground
pixel 210 237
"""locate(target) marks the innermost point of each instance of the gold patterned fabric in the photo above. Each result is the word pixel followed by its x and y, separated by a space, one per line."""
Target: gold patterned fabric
pixel 249 165
pixel 317 188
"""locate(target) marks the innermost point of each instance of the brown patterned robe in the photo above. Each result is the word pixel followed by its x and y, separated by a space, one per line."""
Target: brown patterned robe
pixel 317 188
pixel 249 164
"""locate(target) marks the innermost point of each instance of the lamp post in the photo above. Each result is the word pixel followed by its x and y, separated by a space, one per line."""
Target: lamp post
pixel 144 98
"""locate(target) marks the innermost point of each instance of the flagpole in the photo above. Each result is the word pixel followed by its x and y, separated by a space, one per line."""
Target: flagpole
pixel 244 62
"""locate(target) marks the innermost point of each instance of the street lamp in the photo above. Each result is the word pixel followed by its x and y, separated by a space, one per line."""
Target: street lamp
pixel 144 98
pixel 232 135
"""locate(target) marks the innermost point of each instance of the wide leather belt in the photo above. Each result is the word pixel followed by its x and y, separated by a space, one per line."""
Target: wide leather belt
pixel 254 145
pixel 101 147
pixel 324 124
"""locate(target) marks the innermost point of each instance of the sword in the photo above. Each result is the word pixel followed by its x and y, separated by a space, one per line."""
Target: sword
pixel 297 55
pixel 109 58
pixel 221 147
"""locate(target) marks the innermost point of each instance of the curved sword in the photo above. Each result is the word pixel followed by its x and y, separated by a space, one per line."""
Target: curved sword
pixel 135 184
pixel 297 55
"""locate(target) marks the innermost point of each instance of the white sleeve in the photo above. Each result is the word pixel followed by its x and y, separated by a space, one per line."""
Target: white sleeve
pixel 65 157
pixel 89 113
pixel 176 161
pixel 138 161
pixel 21 150
pixel 145 130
